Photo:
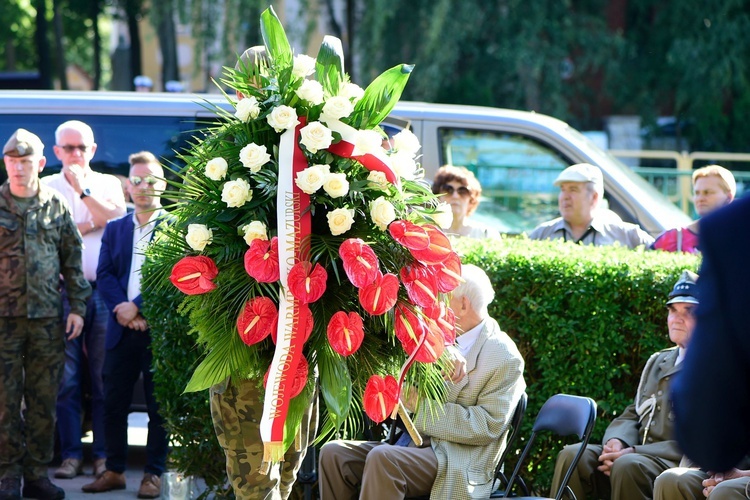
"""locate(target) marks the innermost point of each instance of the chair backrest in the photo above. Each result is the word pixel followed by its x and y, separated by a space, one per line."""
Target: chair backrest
pixel 563 415
pixel 515 427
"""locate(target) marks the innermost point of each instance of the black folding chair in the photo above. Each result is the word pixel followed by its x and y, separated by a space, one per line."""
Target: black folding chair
pixel 562 415
pixel 515 427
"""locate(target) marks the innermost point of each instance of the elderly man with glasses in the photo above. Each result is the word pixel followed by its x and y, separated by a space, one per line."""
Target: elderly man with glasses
pixel 94 198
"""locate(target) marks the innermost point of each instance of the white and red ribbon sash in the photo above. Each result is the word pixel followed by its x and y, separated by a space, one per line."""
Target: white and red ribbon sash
pixel 374 160
pixel 294 227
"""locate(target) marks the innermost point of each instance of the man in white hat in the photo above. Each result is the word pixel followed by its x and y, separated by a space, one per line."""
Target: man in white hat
pixel 581 190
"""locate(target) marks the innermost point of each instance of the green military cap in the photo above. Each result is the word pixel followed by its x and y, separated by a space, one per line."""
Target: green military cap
pixel 23 143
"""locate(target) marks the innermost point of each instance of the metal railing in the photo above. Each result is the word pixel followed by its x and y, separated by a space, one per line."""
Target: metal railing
pixel 675 183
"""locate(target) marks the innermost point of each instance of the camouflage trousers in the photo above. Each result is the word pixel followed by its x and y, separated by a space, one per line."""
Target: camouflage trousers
pixel 236 410
pixel 31 363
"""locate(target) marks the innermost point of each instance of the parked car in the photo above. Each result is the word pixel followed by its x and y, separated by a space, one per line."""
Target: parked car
pixel 516 155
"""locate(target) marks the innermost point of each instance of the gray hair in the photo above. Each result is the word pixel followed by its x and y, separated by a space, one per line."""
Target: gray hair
pixel 86 132
pixel 476 287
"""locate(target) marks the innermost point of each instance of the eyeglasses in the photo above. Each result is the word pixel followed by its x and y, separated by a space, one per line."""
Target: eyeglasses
pixel 69 148
pixel 150 180
pixel 461 190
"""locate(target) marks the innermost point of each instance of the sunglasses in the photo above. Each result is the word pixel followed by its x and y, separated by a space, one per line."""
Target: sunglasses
pixel 462 190
pixel 150 180
pixel 69 148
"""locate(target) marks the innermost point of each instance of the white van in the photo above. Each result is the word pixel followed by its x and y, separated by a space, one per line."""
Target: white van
pixel 515 154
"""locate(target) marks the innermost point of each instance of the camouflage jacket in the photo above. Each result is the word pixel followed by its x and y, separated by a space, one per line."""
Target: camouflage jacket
pixel 36 247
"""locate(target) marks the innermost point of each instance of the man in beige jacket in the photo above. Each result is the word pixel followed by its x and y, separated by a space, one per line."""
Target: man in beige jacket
pixel 464 442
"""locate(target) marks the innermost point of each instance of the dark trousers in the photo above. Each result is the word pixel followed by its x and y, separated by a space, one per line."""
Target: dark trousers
pixel 122 365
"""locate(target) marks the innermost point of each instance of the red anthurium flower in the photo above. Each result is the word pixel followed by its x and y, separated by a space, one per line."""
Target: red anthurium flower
pixel 307 282
pixel 300 377
pixel 262 260
pixel 438 249
pixel 257 320
pixel 445 319
pixel 409 235
pixel 448 273
pixel 409 327
pixel 420 283
pixel 381 397
pixel 380 295
pixel 434 343
pixel 360 262
pixel 193 275
pixel 345 332
pixel 304 322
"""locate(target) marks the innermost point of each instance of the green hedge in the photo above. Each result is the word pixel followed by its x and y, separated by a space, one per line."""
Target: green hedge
pixel 584 318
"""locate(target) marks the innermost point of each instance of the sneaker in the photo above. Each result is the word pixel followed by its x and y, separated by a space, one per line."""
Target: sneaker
pixel 107 482
pixel 100 467
pixel 70 468
pixel 10 488
pixel 42 489
pixel 150 486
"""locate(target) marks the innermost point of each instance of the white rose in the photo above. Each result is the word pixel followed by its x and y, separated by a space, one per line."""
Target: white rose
pixel 367 141
pixel 336 108
pixel 443 215
pixel 315 136
pixel 236 193
pixel 403 164
pixel 256 230
pixel 382 212
pixel 406 141
pixel 351 91
pixel 336 185
pixel 340 220
pixel 216 169
pixel 198 236
pixel 282 118
pixel 254 156
pixel 311 179
pixel 247 109
pixel 378 177
pixel 304 65
pixel 310 91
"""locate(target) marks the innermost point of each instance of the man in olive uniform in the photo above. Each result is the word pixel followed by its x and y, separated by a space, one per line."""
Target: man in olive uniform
pixel 639 444
pixel 38 242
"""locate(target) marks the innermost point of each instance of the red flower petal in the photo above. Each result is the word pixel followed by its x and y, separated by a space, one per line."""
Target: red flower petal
pixel 380 295
pixel 262 260
pixel 408 326
pixel 193 275
pixel 300 377
pixel 360 262
pixel 433 346
pixel 304 321
pixel 409 235
pixel 381 397
pixel 345 332
pixel 409 329
pixel 257 320
pixel 445 319
pixel 437 251
pixel 307 282
pixel 420 283
pixel 448 273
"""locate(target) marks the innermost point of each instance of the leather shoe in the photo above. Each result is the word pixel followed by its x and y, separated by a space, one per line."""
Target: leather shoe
pixel 150 486
pixel 106 482
pixel 10 488
pixel 42 489
pixel 70 468
pixel 100 467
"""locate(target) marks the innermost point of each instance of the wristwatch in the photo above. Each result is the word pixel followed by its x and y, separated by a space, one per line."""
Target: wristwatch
pixel 86 192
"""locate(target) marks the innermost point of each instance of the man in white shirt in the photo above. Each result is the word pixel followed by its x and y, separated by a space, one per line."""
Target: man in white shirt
pixel 464 441
pixel 94 199
pixel 582 221
pixel 128 336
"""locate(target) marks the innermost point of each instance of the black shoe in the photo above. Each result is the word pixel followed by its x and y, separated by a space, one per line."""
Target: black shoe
pixel 42 489
pixel 10 488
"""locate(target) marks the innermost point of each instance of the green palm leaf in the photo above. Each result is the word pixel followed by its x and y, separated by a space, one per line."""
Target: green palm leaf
pixel 380 97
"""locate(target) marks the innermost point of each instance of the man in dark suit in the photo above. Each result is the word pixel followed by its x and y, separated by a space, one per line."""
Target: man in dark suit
pixel 712 394
pixel 128 352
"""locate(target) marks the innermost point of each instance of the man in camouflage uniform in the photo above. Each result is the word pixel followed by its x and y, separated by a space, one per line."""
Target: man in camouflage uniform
pixel 38 242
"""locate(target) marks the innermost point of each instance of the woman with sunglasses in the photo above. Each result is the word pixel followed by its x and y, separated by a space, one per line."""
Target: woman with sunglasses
pixel 461 190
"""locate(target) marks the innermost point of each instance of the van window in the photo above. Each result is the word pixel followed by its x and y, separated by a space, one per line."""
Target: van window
pixel 117 137
pixel 516 173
